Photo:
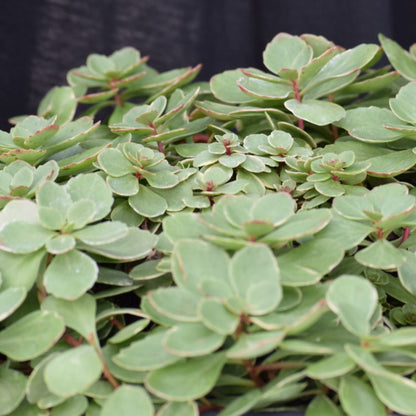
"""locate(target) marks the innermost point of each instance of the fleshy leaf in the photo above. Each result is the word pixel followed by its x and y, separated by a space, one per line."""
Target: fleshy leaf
pixel 78 314
pixel 146 354
pixel 305 265
pixel 255 345
pixel 286 51
pixel 12 389
pixel 316 112
pixel 31 335
pixel 194 261
pixel 357 397
pixel 182 381
pixel 192 339
pixel 381 255
pixel 127 401
pixel 73 371
pixel 70 275
pixel 354 300
pixel 244 269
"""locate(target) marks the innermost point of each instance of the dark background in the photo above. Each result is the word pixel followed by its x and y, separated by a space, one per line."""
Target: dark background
pixel 42 39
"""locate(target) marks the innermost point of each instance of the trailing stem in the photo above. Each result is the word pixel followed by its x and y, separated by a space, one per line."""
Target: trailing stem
pixel 106 370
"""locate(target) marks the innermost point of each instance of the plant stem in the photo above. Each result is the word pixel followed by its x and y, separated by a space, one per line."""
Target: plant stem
pixel 295 85
pixel 251 369
pixel 405 236
pixel 106 370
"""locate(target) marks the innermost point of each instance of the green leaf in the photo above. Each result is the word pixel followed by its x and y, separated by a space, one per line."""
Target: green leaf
pixel 12 389
pixel 136 245
pixel 124 185
pixel 146 354
pixel 92 187
pixel 74 406
pixel 102 233
pixel 392 164
pixel 406 272
pixel 367 124
pixel 301 224
pixel 255 345
pixel 80 213
pixel 10 300
pixel 263 89
pixel 23 238
pixel 224 87
pixel 320 406
pixel 20 270
pixel 53 195
pixel 182 381
pixel 70 275
pixel 242 404
pixel 148 203
pixel 286 51
pixel 73 371
pixel 58 101
pixel 179 408
pixel 31 335
pixel 60 244
pixel 395 391
pixel 354 299
pixel 194 261
pixel 401 60
pixel 404 104
pixel 336 365
pixel 176 303
pixel 316 112
pixel 129 331
pixel 305 265
pixel 127 401
pixel 358 398
pixel 114 163
pixel 330 188
pixel 217 317
pixel 78 314
pixel 381 255
pixel 244 269
pixel 192 339
pixel 265 208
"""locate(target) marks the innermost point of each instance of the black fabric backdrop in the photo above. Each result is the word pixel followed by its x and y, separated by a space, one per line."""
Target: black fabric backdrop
pixel 42 39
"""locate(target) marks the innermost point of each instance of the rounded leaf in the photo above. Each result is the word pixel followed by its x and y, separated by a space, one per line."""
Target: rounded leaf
pixel 70 275
pixel 186 380
pixel 128 401
pixel 73 371
pixel 31 335
pixel 354 299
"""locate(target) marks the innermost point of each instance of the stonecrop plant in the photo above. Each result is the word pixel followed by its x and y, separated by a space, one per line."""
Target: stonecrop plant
pixel 171 247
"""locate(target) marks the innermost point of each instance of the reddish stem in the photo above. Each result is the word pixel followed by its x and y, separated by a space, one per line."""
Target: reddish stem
pixel 380 233
pixel 200 138
pixel 117 323
pixel 253 373
pixel 106 371
pixel 73 342
pixel 207 407
pixel 405 236
pixel 297 96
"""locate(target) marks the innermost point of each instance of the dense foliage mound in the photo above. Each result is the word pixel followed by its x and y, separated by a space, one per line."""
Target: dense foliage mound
pixel 170 247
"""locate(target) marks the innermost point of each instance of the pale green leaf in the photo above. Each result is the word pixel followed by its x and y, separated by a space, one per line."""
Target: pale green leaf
pixel 316 112
pixel 31 335
pixel 70 275
pixel 128 401
pixel 353 299
pixel 73 371
pixel 182 381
